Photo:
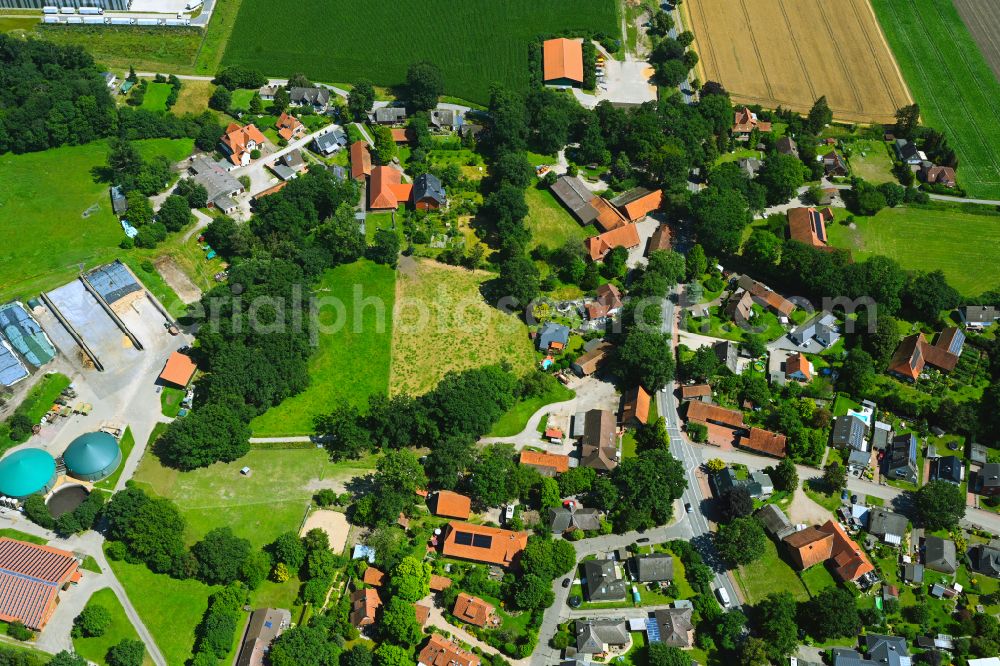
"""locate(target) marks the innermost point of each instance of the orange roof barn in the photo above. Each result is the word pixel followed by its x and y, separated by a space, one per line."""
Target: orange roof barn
pixel 562 61
pixel 179 369
pixel 361 160
pixel 626 236
pixel 546 461
pixel 452 505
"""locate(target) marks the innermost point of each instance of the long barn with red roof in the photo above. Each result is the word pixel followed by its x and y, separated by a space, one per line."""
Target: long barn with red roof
pixel 31 577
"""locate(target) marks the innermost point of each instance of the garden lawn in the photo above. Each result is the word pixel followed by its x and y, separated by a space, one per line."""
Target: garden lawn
pixel 351 362
pixel 241 99
pixel 515 420
pixel 259 507
pixel 815 490
pixel 876 164
pixel 929 238
pixel 170 400
pixel 193 97
pixel 156 96
pixel 41 204
pixel 768 575
pixel 94 649
pixel 551 225
pixel 817 578
pixel 441 323
pixel 475 43
pixel 126 444
pixel 170 608
pixel 955 88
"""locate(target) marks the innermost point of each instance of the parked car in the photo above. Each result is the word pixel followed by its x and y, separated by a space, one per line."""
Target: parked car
pixel 642 540
pixel 687 507
pixel 565 582
pixel 723 597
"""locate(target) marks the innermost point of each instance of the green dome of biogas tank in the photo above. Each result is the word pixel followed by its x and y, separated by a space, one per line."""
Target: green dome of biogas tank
pixel 92 456
pixel 26 472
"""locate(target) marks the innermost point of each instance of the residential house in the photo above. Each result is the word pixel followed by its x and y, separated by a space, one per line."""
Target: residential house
pixel 808 225
pixel 289 126
pixel 31 577
pixel 766 298
pixel 940 555
pixel 599 443
pixel 764 441
pixel 598 636
pixel 638 202
pixel 595 351
pixel 547 464
pixel 562 62
pixel 239 141
pixel 602 581
pixel 809 547
pixel 775 521
pixel 978 317
pixel 891 650
pixel 700 392
pixel 849 431
pixel 850 562
pixel 374 577
pixel 574 195
pixel 739 307
pixel 567 518
pixel 264 626
pixel 386 189
pixel 481 543
pixel 439 583
pixel 388 115
pixel 676 627
pixel 881 436
pixel 913 573
pixel 914 353
pixel 361 160
pixel 907 152
pixel 985 559
pixel 888 526
pixel 440 651
pixel 401 135
pixel 331 142
pixel 475 611
pixel 988 480
pixel 608 217
pixel 445 119
pixel 607 303
pixel 798 368
pixel 763 481
pixel 750 166
pixel 786 146
pixel 978 454
pixel 948 468
pixel 901 458
pixel 858 461
pixel 267 92
pixel 655 568
pixel 451 504
pixel 552 337
pixel 937 175
pixel 706 414
pixel 834 164
pixel 626 236
pixel 821 327
pixel 662 239
pixel 745 121
pixel 220 186
pixel 364 606
pixel 428 192
pixel 727 353
pixel 315 97
pixel 635 409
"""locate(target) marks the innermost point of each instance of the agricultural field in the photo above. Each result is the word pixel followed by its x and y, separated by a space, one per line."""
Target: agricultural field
pixel 982 18
pixel 350 363
pixel 956 242
pixel 957 91
pixel 94 649
pixel 475 42
pixel 441 323
pixel 42 202
pixel 790 52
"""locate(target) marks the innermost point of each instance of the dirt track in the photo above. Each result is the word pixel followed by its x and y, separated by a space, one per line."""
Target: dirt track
pixel 790 52
pixel 982 18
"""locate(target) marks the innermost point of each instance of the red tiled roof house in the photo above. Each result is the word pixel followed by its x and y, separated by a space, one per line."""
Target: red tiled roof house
pixel 239 141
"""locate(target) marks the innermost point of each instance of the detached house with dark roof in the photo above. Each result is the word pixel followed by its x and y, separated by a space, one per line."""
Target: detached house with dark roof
pixel 901 458
pixel 849 431
pixel 978 317
pixel 602 581
pixel 948 468
pixel 654 568
pixel 985 559
pixel 599 443
pixel 888 526
pixel 834 164
pixel 316 97
pixel 428 192
pixel 940 555
pixel 988 480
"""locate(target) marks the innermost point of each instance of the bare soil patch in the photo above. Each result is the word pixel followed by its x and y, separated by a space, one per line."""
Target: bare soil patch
pixel 333 523
pixel 178 280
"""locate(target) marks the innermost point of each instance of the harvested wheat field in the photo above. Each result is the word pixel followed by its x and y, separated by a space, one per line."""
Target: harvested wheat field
pixel 441 323
pixel 790 52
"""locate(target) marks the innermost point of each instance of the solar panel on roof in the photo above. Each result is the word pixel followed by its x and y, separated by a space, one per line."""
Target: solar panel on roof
pixel 463 538
pixel 482 541
pixel 957 342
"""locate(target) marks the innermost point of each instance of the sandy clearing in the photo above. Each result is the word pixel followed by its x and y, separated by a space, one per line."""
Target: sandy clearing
pixel 333 523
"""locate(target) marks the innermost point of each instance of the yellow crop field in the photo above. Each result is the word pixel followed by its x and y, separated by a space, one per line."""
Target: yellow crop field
pixel 790 52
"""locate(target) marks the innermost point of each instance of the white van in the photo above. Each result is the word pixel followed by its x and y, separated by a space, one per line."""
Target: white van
pixel 723 596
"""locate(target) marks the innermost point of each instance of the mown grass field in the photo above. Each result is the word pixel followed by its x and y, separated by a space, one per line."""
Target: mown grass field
pixel 441 323
pixel 770 574
pixel 948 76
pixel 551 225
pixel 351 362
pixel 42 200
pixel 960 244
pixel 156 96
pixel 474 42
pixel 94 649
